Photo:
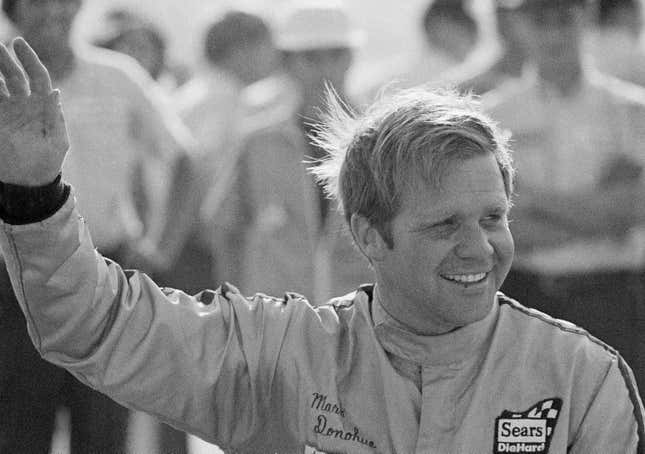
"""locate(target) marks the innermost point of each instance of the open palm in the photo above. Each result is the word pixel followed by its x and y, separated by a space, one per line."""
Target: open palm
pixel 33 136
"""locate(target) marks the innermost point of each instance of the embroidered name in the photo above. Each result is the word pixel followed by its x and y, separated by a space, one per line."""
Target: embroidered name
pixel 322 428
pixel 319 402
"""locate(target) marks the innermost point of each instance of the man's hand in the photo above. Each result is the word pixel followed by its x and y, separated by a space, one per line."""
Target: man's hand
pixel 33 136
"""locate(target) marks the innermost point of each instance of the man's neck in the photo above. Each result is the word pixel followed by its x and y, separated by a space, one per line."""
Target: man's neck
pixel 429 329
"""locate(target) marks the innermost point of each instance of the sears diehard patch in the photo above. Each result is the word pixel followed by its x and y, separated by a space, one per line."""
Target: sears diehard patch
pixel 527 431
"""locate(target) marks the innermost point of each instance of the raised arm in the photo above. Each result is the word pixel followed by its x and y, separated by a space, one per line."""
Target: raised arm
pixel 203 363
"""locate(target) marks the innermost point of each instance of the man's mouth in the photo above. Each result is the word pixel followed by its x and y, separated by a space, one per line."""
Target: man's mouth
pixel 473 278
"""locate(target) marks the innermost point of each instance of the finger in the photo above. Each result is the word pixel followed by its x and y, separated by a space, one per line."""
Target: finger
pixel 38 75
pixel 13 75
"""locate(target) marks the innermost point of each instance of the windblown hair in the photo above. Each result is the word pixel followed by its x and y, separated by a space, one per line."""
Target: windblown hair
pixel 404 138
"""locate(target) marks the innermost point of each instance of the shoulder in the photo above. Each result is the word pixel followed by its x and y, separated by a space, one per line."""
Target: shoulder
pixel 569 351
pixel 598 391
pixel 544 323
pixel 351 302
pixel 339 314
pixel 552 339
pixel 350 312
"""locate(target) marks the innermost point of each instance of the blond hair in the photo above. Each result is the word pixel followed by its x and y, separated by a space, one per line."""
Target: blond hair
pixel 375 156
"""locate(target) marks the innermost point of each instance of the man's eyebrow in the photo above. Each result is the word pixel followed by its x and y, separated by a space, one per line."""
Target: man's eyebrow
pixel 426 222
pixel 448 213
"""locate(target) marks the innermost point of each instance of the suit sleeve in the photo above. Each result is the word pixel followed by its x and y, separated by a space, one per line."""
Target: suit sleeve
pixel 614 419
pixel 203 363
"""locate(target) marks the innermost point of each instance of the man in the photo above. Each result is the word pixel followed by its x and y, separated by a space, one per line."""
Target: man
pixel 455 45
pixel 281 221
pixel 579 226
pixel 429 359
pixel 238 50
pixel 117 130
pixel 318 42
pixel 486 75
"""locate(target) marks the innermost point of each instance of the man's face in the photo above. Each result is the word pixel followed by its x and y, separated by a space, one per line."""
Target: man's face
pixel 452 249
pixel 45 24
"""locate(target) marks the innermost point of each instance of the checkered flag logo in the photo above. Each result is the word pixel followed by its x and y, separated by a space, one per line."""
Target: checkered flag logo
pixel 548 409
pixel 527 431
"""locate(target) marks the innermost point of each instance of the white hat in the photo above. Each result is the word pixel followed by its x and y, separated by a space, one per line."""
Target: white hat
pixel 306 25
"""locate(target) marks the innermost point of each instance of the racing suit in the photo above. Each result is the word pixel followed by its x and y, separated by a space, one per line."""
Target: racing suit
pixel 267 375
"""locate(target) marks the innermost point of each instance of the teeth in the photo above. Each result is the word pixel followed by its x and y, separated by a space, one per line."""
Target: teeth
pixel 465 278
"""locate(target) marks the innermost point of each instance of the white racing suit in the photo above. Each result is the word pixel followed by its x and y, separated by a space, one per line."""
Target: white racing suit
pixel 266 375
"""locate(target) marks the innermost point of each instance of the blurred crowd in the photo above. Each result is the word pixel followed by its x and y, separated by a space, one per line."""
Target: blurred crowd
pixel 199 175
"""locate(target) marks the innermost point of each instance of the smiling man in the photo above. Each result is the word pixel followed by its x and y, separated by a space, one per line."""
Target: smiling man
pixel 430 359
pixel 451 242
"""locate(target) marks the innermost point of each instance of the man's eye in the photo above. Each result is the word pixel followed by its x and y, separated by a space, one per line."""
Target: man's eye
pixel 446 223
pixel 494 218
pixel 444 227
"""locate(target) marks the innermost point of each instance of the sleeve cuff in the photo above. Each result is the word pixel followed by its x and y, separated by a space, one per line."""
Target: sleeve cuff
pixel 28 204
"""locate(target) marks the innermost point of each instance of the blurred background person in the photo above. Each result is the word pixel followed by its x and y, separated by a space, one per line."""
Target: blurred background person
pixel 238 51
pixel 484 75
pixel 318 43
pixel 277 210
pixel 140 39
pixel 578 219
pixel 615 39
pixel 454 46
pixel 116 127
pixel 129 33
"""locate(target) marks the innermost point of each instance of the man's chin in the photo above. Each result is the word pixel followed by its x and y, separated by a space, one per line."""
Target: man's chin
pixel 478 310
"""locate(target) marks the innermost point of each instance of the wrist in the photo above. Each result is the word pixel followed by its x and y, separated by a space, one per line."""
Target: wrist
pixel 27 204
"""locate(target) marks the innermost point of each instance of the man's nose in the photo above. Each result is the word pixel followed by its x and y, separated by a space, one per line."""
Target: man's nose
pixel 473 242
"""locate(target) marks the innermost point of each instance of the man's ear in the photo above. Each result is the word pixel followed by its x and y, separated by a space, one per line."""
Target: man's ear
pixel 367 238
